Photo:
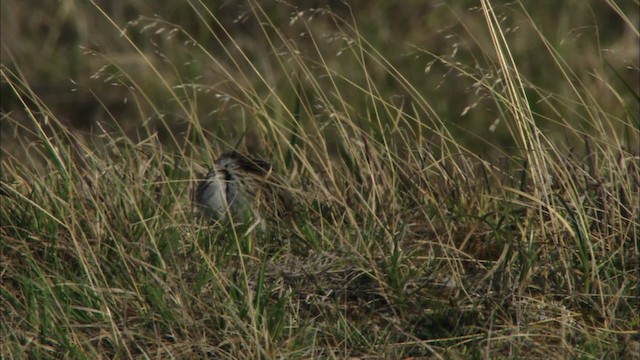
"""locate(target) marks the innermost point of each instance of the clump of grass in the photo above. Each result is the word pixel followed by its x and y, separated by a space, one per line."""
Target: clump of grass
pixel 405 242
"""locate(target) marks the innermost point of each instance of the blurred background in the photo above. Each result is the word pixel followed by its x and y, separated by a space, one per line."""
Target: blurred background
pixel 121 64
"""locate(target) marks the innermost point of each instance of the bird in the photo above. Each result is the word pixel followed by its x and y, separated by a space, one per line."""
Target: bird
pixel 241 188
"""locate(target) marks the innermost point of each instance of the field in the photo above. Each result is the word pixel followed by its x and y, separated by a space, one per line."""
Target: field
pixel 466 178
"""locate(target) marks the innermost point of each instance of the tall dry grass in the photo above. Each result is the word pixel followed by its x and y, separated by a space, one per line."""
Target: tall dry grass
pixel 415 234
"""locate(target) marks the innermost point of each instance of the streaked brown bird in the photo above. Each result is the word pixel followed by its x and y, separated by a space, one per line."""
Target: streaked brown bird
pixel 240 188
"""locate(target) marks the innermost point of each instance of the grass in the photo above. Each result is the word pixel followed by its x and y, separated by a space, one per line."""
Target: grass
pixel 417 232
